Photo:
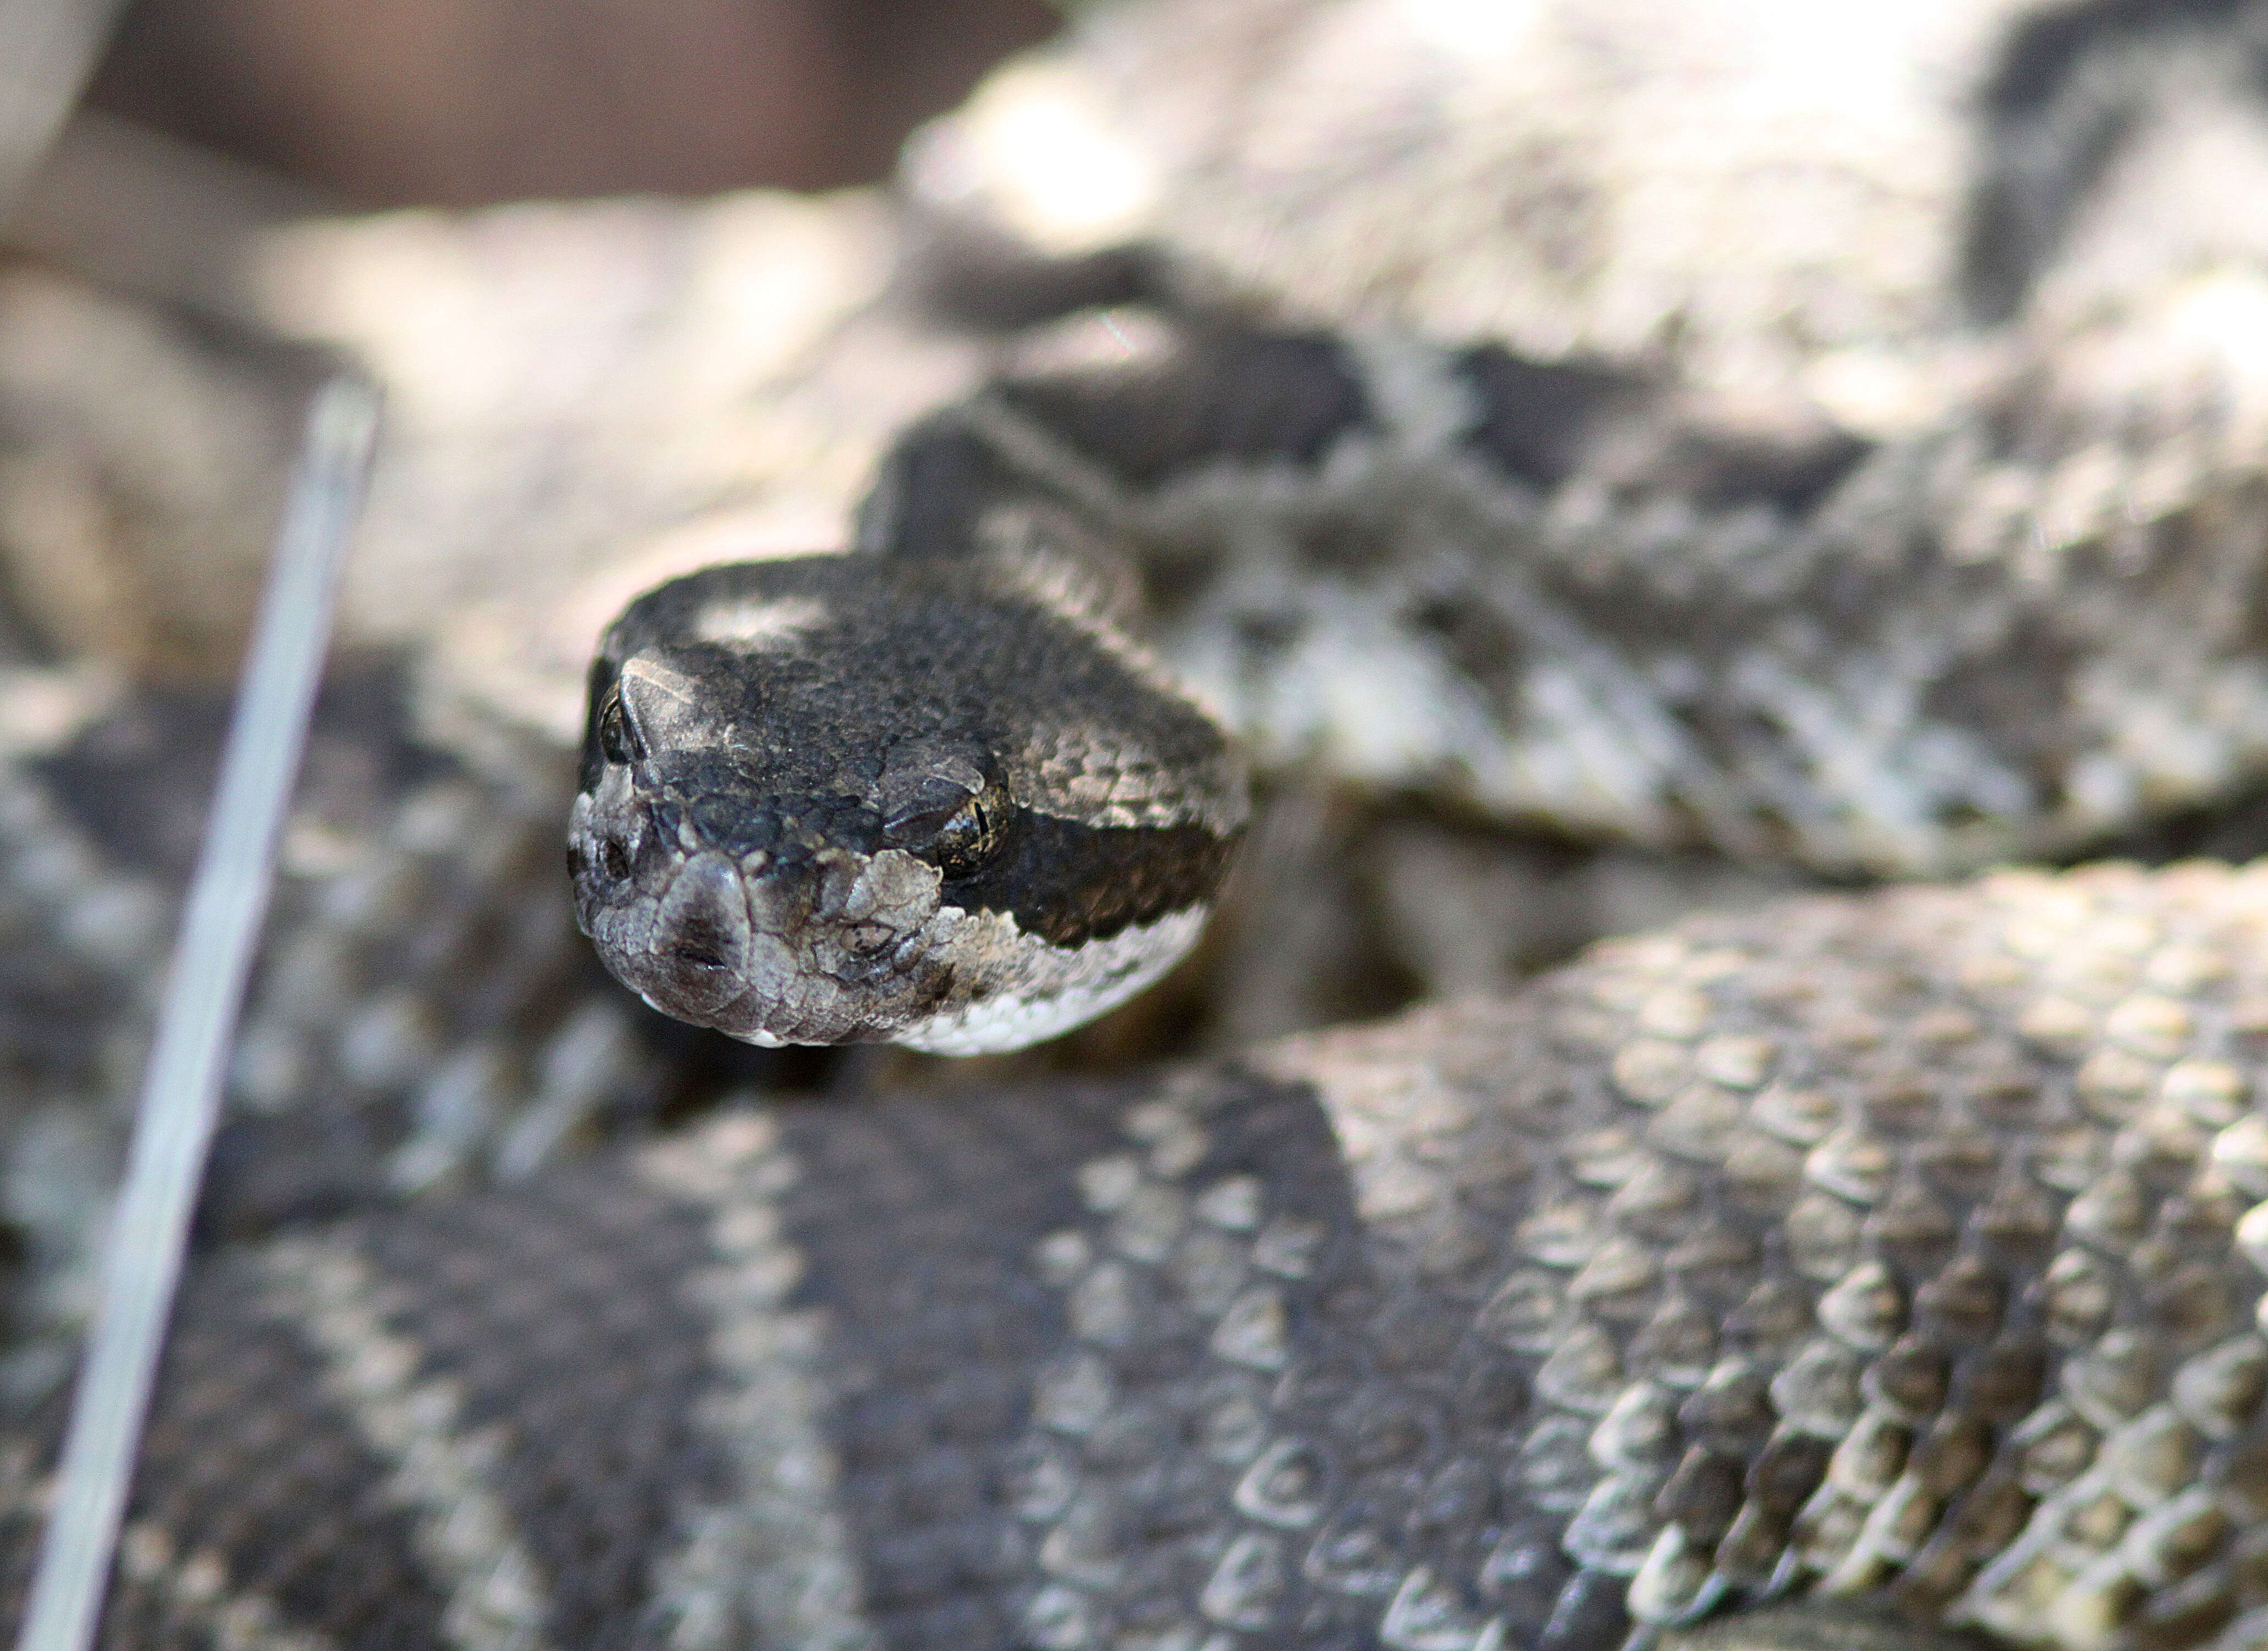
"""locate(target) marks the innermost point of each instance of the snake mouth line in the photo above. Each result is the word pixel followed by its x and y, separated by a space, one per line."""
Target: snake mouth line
pixel 842 948
pixel 831 947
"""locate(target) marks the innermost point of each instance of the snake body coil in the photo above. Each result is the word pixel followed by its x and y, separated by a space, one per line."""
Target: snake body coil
pixel 1902 1250
pixel 1856 462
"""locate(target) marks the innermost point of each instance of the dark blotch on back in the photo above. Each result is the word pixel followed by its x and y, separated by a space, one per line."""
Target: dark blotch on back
pixel 2015 696
pixel 2062 101
pixel 933 489
pixel 584 1347
pixel 1243 398
pixel 918 1222
pixel 985 284
pixel 247 1462
pixel 1543 423
pixel 1480 643
pixel 1538 418
pixel 1792 470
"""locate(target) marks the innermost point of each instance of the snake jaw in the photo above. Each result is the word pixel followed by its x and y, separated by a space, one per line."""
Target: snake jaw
pixel 814 942
pixel 813 947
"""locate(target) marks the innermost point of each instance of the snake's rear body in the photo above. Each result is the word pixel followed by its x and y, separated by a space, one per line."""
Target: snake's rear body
pixel 1896 1244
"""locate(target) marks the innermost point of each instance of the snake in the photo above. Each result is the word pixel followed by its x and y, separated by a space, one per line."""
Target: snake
pixel 1673 593
pixel 1034 833
pixel 1878 1268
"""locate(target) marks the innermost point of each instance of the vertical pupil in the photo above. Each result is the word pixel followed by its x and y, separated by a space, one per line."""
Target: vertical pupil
pixel 961 840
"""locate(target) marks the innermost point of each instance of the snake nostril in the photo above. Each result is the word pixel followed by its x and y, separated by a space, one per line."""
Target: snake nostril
pixel 701 937
pixel 615 856
pixel 704 946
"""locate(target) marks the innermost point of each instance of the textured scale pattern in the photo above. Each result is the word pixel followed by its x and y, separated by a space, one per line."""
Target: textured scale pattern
pixel 1906 1246
pixel 1898 393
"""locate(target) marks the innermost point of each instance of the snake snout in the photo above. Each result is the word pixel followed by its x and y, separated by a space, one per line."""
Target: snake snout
pixel 701 938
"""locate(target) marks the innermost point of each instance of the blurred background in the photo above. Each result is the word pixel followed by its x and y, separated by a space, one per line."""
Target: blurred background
pixel 464 102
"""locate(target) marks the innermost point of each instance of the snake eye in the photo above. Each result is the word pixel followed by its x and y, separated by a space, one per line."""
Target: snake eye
pixel 956 838
pixel 965 839
pixel 614 728
pixel 950 811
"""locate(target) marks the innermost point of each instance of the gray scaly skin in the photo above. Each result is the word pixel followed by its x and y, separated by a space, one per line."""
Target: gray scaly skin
pixel 1897 1249
pixel 1676 590
pixel 1903 1236
pixel 1840 447
pixel 947 804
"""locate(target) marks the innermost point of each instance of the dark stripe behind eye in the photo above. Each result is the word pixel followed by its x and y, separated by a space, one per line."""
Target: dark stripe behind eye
pixel 1069 883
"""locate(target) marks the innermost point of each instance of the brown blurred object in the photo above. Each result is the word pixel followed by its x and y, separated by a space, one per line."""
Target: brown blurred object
pixel 461 102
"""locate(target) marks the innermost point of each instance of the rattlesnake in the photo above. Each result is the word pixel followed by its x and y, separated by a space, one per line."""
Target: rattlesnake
pixel 1893 1242
pixel 1853 1243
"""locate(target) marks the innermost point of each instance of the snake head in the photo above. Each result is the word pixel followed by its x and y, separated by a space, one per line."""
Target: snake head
pixel 850 799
